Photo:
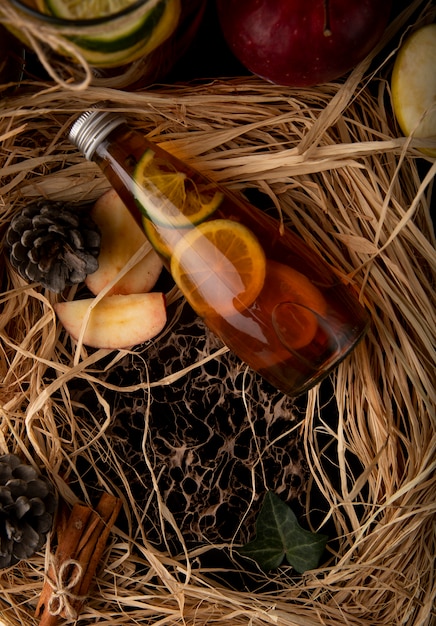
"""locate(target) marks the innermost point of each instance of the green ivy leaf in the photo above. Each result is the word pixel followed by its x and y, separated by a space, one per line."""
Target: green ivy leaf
pixel 278 534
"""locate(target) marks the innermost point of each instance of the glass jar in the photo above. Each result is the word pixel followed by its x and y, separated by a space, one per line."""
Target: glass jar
pixel 12 61
pixel 129 49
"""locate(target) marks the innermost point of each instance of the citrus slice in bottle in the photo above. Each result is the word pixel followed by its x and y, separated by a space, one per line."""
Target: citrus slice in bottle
pixel 219 266
pixel 414 85
pixel 162 238
pixel 295 305
pixel 169 197
pixel 123 38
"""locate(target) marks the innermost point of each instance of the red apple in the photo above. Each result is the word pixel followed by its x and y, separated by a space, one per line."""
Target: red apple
pixel 301 43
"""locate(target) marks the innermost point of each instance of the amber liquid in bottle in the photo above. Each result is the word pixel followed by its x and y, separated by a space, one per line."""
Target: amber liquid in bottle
pixel 264 292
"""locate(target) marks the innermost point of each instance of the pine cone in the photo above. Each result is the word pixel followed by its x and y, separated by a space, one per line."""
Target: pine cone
pixel 27 504
pixel 52 244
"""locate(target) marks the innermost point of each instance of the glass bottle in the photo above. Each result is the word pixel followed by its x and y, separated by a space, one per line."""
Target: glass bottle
pixel 270 298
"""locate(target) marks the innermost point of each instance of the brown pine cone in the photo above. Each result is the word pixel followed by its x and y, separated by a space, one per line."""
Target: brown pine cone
pixel 27 505
pixel 53 244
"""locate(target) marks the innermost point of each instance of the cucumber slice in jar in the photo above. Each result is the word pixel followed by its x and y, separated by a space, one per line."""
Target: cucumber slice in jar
pixel 126 39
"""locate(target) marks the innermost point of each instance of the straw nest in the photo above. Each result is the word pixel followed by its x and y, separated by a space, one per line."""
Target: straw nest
pixel 335 166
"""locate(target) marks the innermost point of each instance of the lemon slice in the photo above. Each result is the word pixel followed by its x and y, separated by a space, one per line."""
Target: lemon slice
pixel 414 85
pixel 219 266
pixel 167 196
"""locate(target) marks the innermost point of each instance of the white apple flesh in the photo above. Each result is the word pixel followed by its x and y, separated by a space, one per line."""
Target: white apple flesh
pixel 115 322
pixel 121 238
pixel 414 85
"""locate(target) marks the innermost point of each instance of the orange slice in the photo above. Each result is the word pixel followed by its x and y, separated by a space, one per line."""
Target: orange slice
pixel 219 266
pixel 162 238
pixel 294 303
pixel 169 197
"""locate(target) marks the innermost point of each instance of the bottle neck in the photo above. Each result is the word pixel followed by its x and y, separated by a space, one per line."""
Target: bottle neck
pixel 91 128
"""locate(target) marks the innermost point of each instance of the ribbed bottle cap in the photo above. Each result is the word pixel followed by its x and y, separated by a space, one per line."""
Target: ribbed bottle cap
pixel 91 128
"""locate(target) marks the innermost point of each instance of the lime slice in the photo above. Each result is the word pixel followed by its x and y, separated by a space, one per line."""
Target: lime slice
pixel 414 85
pixel 219 266
pixel 120 40
pixel 170 198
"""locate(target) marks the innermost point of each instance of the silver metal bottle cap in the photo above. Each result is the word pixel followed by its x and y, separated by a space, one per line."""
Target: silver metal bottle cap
pixel 91 128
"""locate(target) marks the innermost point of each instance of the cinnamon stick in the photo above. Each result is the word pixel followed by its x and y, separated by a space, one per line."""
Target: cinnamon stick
pixel 66 549
pixel 91 552
pixel 79 551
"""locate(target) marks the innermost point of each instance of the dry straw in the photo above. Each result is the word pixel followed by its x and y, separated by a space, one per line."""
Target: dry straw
pixel 333 162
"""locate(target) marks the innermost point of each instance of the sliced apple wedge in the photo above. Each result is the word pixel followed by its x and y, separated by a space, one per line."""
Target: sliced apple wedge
pixel 121 238
pixel 114 322
pixel 414 85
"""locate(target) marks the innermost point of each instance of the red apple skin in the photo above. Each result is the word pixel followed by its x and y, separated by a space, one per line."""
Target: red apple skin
pixel 290 42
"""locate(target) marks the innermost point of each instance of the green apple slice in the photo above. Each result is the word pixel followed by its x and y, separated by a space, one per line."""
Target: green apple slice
pixel 414 85
pixel 114 322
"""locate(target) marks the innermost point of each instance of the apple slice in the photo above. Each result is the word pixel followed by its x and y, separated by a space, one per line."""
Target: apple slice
pixel 414 85
pixel 115 322
pixel 121 238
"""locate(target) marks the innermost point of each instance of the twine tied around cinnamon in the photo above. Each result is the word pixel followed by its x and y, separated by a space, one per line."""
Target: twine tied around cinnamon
pixel 82 537
pixel 62 581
